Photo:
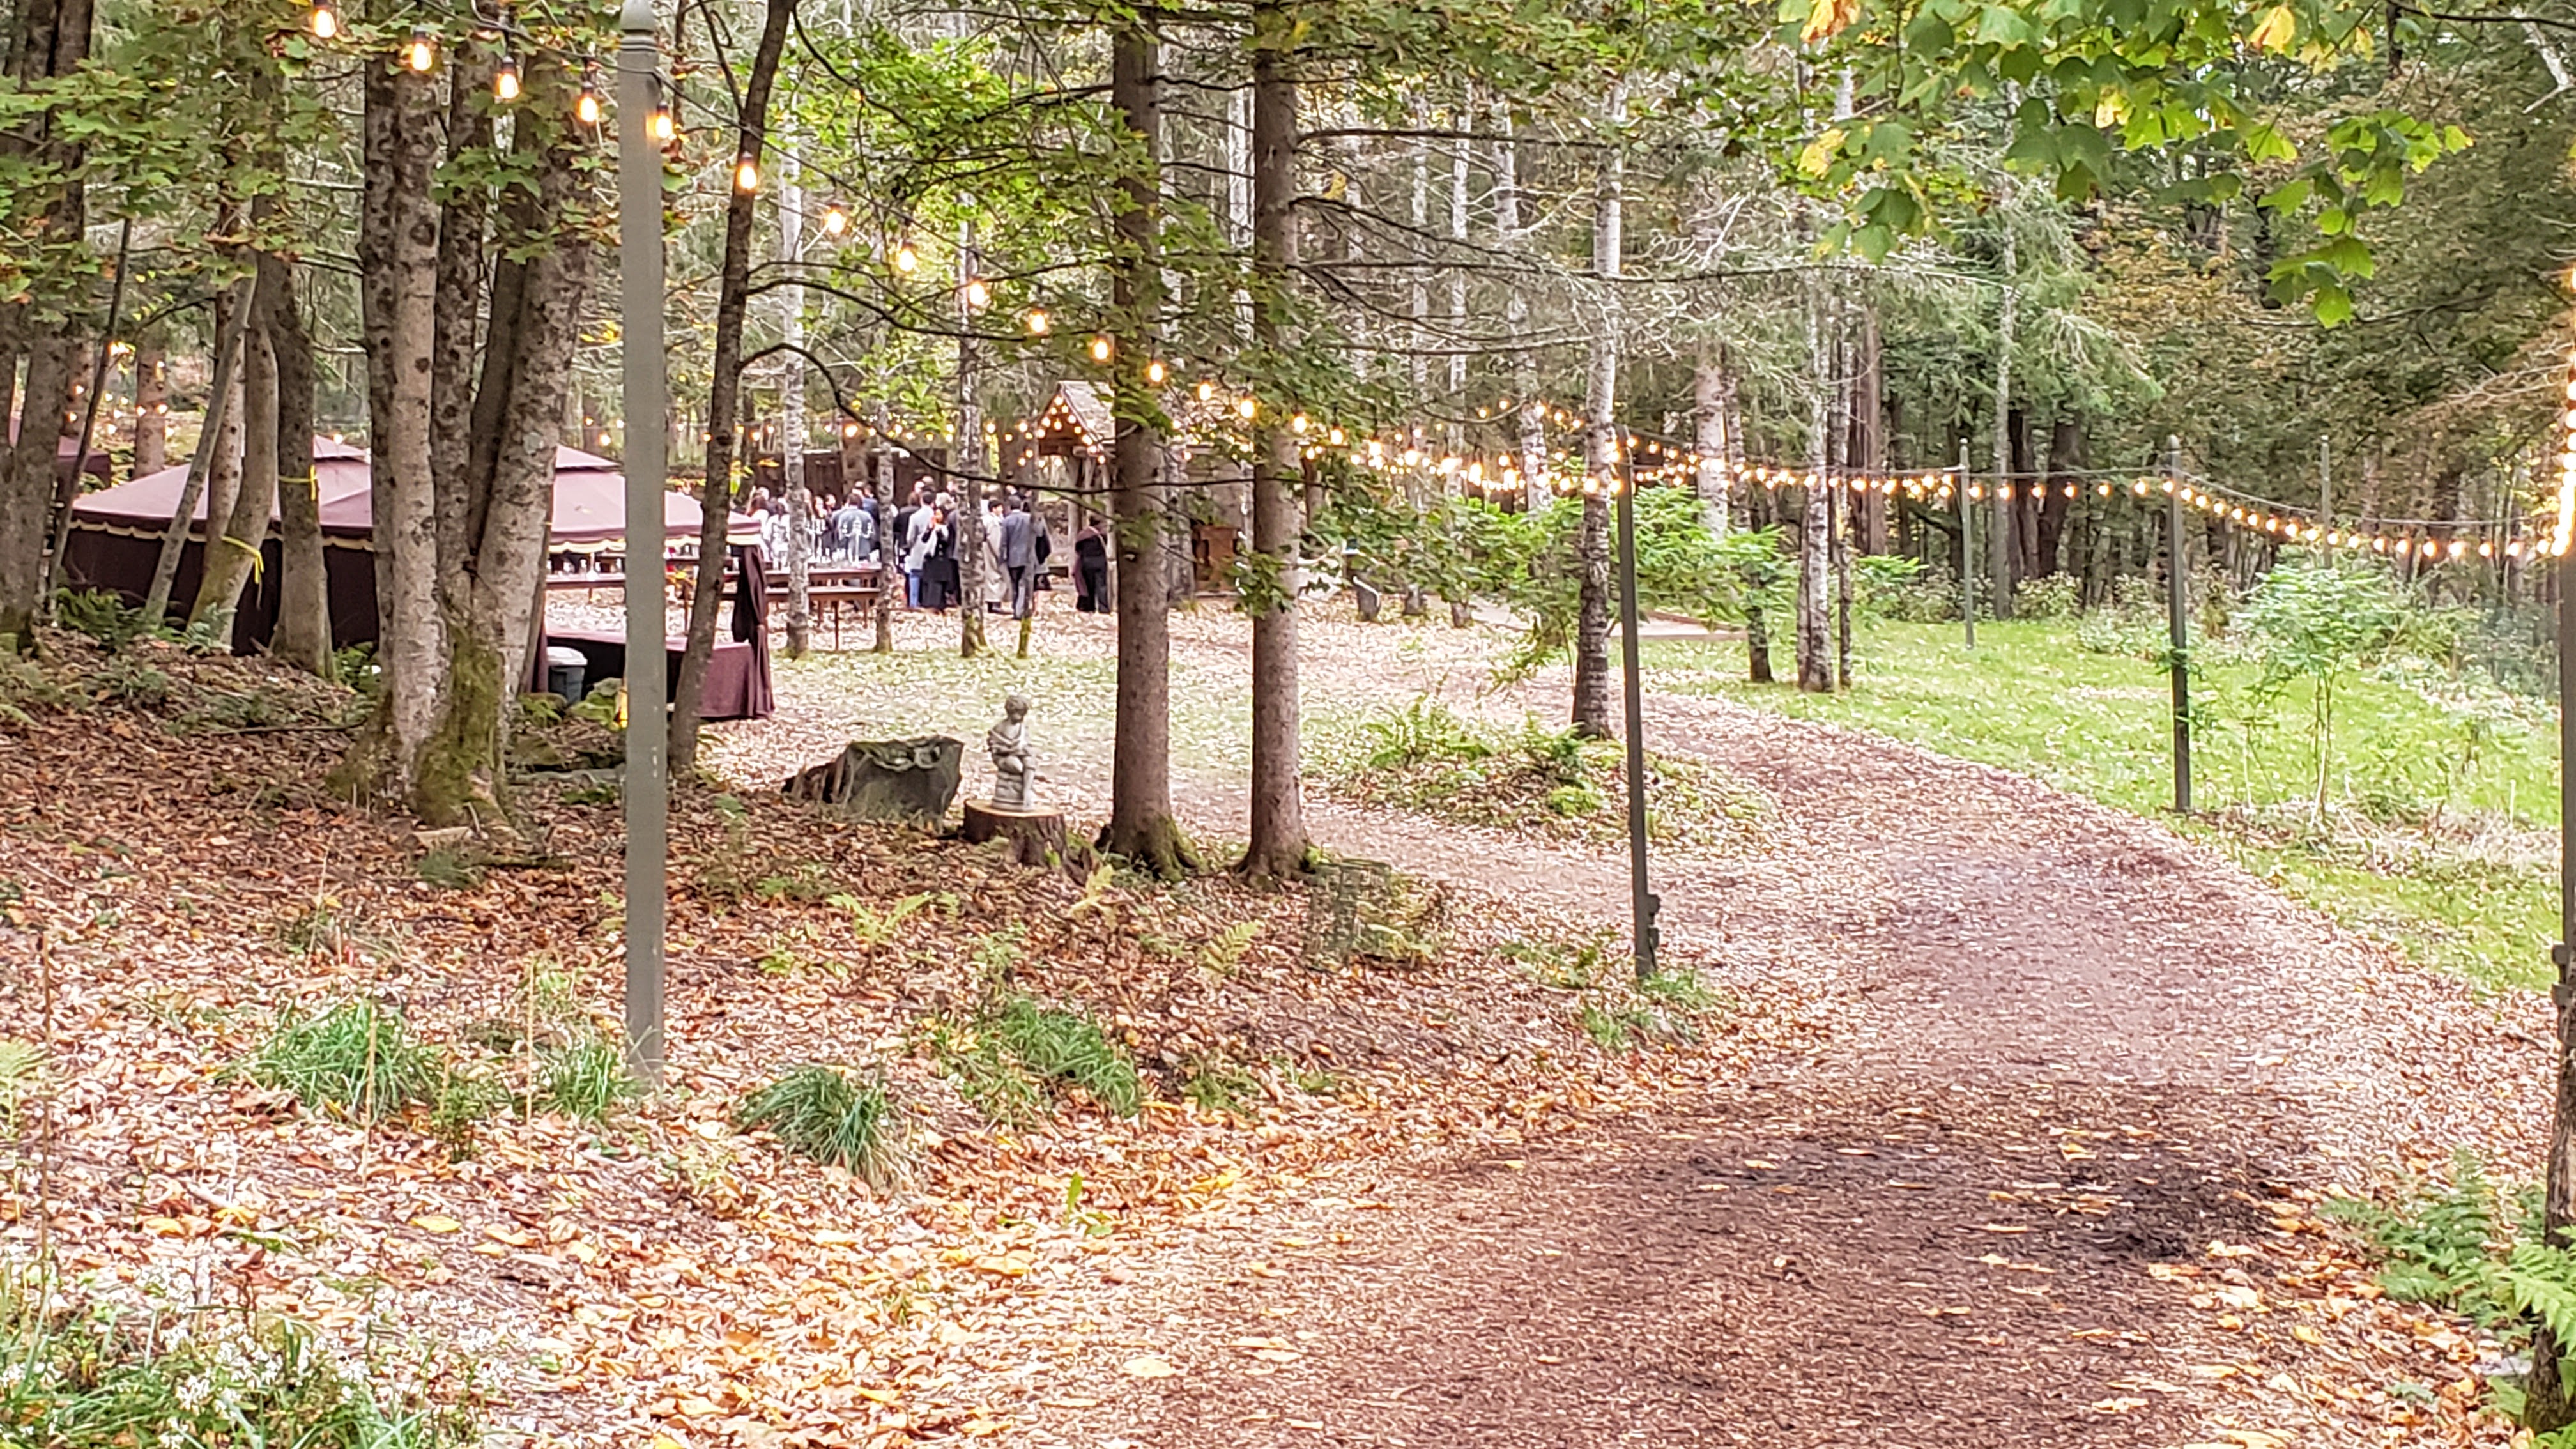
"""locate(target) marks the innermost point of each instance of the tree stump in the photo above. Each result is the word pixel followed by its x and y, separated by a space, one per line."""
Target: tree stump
pixel 1036 836
pixel 886 779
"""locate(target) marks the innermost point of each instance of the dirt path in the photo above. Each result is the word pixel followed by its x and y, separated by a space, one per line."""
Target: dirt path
pixel 2087 1052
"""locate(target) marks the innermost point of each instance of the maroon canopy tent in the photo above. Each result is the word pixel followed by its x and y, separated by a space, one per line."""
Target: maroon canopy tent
pixel 116 539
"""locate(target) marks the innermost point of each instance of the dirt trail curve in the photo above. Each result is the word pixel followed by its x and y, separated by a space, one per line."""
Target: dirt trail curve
pixel 2084 1048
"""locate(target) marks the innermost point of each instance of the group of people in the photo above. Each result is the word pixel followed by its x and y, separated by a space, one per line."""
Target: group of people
pixel 921 538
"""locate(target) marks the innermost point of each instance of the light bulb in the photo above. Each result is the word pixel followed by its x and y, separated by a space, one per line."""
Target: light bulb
pixel 1155 372
pixel 1100 349
pixel 585 107
pixel 1247 408
pixel 421 53
pixel 505 80
pixel 1207 392
pixel 1298 422
pixel 978 295
pixel 325 21
pixel 746 175
pixel 1036 321
pixel 1334 437
pixel 906 260
pixel 835 221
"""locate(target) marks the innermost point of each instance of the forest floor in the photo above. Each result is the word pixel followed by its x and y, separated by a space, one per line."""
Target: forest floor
pixel 1994 1116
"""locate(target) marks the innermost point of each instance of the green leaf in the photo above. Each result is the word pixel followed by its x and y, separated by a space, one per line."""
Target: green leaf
pixel 2332 306
pixel 2289 196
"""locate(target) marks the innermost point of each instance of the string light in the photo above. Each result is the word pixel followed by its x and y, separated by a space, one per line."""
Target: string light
pixel 1155 372
pixel 585 107
pixel 666 126
pixel 906 260
pixel 505 80
pixel 746 175
pixel 835 221
pixel 1101 349
pixel 1246 408
pixel 422 52
pixel 978 296
pixel 325 20
pixel 1036 321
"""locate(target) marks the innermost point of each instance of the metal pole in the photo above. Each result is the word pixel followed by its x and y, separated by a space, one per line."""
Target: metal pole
pixel 648 719
pixel 2565 991
pixel 2178 618
pixel 2325 492
pixel 1642 900
pixel 1967 551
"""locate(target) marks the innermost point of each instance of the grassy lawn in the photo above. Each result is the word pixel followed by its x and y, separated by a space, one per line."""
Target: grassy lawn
pixel 2440 829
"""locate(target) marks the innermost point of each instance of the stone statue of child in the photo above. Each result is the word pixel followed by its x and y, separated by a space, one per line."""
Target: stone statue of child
pixel 1008 741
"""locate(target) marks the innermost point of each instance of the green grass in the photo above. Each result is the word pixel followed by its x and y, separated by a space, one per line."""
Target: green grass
pixel 358 1060
pixel 2440 836
pixel 819 1112
pixel 585 1079
pixel 1015 1054
pixel 76 1374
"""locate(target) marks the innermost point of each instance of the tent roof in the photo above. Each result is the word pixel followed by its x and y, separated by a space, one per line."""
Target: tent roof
pixel 589 498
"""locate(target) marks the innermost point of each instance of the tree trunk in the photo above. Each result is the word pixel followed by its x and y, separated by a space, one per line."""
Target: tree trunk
pixel 52 41
pixel 1142 827
pixel 1601 446
pixel 2065 459
pixel 490 591
pixel 398 277
pixel 791 408
pixel 210 438
pixel 151 408
pixel 1279 845
pixel 1815 524
pixel 968 466
pixel 1712 478
pixel 733 292
pixel 303 636
pixel 889 564
pixel 233 541
pixel 1999 533
pixel 1865 448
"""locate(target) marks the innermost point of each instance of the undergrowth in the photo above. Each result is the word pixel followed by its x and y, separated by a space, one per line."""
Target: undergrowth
pixel 1014 1056
pixel 1555 784
pixel 82 1375
pixel 2474 1249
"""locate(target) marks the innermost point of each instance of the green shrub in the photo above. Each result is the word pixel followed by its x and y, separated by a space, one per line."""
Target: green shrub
pixel 817 1111
pixel 1422 731
pixel 1222 1088
pixel 464 1101
pixel 1614 1029
pixel 134 682
pixel 2057 596
pixel 358 1060
pixel 102 616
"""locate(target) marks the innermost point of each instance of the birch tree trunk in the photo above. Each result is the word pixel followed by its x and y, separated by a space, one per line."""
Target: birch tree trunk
pixel 791 405
pixel 1712 479
pixel 1279 845
pixel 210 440
pixel 151 407
pixel 724 399
pixel 1530 413
pixel 1601 444
pixel 1142 827
pixel 1999 533
pixel 1815 664
pixel 890 580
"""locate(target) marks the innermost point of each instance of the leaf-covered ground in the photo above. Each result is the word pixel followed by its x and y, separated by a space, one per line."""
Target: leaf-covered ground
pixel 1994 1117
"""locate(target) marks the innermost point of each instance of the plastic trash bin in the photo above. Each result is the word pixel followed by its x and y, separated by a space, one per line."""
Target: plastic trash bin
pixel 565 671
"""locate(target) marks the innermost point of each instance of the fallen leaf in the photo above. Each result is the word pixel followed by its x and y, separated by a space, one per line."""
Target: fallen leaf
pixel 1146 1366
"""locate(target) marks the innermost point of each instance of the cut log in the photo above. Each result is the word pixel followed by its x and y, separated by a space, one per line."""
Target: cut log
pixel 1036 836
pixel 886 779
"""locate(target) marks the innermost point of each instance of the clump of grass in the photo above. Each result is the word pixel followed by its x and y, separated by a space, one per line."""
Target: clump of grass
pixel 358 1060
pixel 817 1111
pixel 449 870
pixel 79 1374
pixel 463 1102
pixel 1614 1028
pixel 1223 1088
pixel 21 1063
pixel 1563 965
pixel 584 1079
pixel 1680 990
pixel 1015 1054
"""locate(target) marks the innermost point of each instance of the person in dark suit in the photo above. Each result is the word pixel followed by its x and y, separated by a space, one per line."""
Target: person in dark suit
pixel 1091 571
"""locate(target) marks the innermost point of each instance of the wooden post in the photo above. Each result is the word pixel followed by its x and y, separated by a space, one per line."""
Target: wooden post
pixel 2178 621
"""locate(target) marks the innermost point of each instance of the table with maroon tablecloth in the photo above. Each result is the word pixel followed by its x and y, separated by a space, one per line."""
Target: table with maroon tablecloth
pixel 737 684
